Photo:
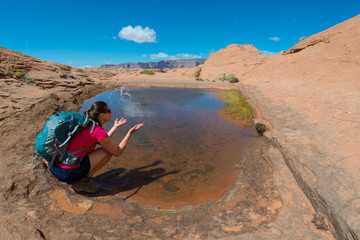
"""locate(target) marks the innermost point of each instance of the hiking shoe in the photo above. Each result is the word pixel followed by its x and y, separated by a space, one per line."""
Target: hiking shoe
pixel 85 185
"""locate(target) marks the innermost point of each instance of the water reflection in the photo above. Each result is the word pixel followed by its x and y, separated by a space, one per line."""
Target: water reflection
pixel 185 154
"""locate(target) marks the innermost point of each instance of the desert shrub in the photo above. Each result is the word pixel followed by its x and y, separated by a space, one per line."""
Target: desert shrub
pixel 231 78
pixel 19 74
pixel 260 128
pixel 88 79
pixel 302 38
pixel 236 106
pixel 197 77
pixel 197 74
pixel 29 79
pixel 148 72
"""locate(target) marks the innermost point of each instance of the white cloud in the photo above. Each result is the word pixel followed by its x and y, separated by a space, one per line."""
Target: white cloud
pixel 138 34
pixel 159 56
pixel 267 53
pixel 187 56
pixel 172 57
pixel 86 66
pixel 276 39
pixel 144 56
pixel 114 37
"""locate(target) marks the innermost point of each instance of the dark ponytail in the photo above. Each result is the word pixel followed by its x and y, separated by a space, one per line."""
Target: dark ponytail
pixel 95 110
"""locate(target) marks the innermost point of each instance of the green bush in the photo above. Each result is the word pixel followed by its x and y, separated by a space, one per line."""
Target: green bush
pixel 260 128
pixel 197 77
pixel 236 105
pixel 231 78
pixel 148 72
pixel 19 74
pixel 302 38
pixel 29 79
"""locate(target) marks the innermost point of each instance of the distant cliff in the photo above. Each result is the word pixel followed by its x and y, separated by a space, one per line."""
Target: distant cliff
pixel 185 63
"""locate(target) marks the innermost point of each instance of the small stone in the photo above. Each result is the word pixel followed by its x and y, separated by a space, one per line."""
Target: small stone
pixel 233 228
pixel 135 219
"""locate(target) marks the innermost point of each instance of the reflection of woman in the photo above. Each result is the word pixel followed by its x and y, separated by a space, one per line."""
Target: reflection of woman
pixel 92 160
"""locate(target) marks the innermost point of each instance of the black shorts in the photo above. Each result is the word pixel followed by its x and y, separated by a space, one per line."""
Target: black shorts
pixel 72 175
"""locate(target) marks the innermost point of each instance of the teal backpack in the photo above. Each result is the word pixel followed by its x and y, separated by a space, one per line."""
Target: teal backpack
pixel 52 142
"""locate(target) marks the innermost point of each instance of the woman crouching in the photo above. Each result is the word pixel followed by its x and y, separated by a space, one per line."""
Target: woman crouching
pixel 92 159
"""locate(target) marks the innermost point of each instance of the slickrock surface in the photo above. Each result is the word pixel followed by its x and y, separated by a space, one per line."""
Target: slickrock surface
pixel 234 59
pixel 12 61
pixel 305 171
pixel 310 94
pixel 34 205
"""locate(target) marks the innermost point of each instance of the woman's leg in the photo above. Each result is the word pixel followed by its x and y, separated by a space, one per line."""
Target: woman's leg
pixel 98 159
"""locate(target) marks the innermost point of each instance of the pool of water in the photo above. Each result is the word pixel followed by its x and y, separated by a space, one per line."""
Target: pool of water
pixel 186 153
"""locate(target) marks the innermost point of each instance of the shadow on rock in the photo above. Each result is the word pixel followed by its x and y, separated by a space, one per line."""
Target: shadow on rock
pixel 122 180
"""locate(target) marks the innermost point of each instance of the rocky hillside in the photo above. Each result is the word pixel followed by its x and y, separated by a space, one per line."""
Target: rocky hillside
pixel 44 74
pixel 13 61
pixel 234 59
pixel 331 56
pixel 169 64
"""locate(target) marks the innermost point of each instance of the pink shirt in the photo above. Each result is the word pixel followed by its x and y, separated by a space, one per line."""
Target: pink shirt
pixel 84 139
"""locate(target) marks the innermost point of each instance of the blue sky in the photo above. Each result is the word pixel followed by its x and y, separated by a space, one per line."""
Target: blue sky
pixel 92 33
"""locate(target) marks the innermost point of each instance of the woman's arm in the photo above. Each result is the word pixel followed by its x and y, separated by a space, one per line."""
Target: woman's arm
pixel 114 150
pixel 117 124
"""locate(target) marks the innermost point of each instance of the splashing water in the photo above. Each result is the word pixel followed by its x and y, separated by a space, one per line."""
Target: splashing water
pixel 123 92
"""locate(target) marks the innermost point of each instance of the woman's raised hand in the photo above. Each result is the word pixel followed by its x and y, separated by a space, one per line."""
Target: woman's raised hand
pixel 135 128
pixel 120 122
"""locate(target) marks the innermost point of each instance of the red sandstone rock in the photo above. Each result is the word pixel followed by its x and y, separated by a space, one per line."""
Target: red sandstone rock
pixel 234 59
pixel 13 61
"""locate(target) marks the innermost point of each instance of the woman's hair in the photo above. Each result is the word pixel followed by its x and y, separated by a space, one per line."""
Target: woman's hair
pixel 95 110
